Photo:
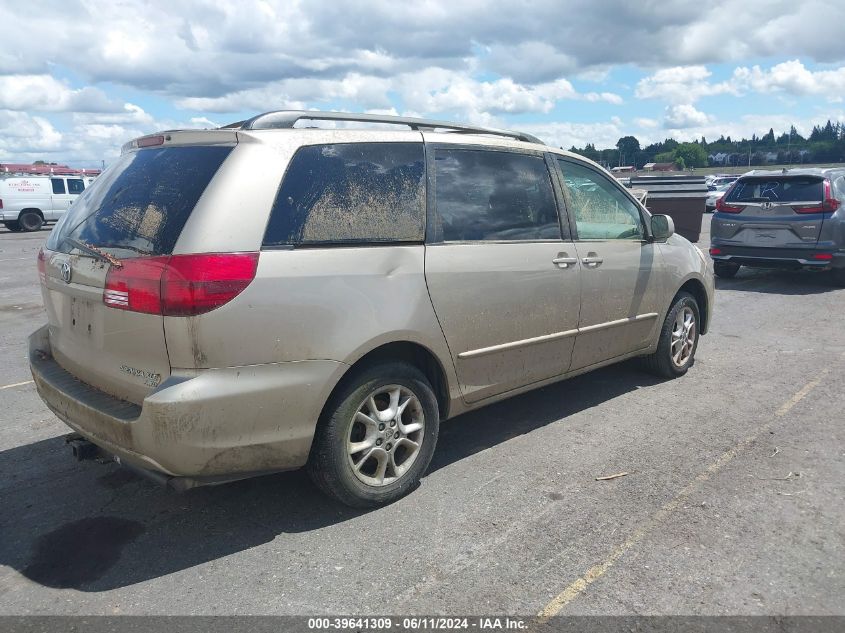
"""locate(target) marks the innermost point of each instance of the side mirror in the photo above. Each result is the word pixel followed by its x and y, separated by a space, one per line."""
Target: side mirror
pixel 662 228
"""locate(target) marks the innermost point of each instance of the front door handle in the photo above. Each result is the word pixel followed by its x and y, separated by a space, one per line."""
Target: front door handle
pixel 592 260
pixel 563 260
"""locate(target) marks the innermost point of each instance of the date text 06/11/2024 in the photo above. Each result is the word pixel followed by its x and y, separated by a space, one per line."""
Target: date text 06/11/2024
pixel 418 623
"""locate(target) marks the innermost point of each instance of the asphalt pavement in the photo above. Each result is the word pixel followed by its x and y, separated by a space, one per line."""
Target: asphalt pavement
pixel 732 502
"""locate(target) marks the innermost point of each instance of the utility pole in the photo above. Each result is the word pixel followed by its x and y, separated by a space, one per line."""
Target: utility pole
pixel 789 147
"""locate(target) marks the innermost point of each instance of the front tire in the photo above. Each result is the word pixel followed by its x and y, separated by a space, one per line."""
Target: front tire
pixel 678 339
pixel 376 436
pixel 31 221
pixel 725 270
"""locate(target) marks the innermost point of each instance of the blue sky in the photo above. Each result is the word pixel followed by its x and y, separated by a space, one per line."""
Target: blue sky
pixel 79 78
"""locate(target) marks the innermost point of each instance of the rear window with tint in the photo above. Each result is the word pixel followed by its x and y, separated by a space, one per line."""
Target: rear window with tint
pixel 141 202
pixel 351 193
pixel 789 189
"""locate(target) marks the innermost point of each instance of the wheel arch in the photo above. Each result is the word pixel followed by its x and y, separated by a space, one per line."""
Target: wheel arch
pixel 696 288
pixel 414 354
pixel 36 209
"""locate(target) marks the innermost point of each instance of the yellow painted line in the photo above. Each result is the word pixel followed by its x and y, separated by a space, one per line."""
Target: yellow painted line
pixel 577 587
pixel 17 384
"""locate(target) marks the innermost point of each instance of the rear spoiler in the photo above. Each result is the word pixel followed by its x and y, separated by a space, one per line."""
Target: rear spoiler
pixel 181 137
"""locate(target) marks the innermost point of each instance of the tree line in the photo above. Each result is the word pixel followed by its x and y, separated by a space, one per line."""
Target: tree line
pixel 826 144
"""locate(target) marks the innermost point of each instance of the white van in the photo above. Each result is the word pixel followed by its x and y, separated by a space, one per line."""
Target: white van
pixel 29 202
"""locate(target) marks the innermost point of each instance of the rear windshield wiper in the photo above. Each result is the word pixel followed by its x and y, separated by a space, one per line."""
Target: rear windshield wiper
pixel 94 252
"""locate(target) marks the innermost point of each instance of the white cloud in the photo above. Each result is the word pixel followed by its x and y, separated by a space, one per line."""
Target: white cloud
pixel 43 93
pixel 793 78
pixel 681 84
pixel 645 122
pixel 565 135
pixel 22 135
pixel 683 116
pixel 431 90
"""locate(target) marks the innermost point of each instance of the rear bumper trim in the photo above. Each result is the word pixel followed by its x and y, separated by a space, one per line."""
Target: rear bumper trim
pixel 218 425
pixel 777 257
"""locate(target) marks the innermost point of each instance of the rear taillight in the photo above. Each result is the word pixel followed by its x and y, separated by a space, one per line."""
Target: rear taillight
pixel 179 285
pixel 829 205
pixel 715 251
pixel 724 207
pixel 1 203
pixel 825 257
pixel 42 265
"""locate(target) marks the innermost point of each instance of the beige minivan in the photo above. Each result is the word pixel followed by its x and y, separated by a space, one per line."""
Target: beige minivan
pixel 267 296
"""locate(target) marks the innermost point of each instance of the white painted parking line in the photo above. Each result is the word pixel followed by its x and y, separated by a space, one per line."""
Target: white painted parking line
pixel 17 384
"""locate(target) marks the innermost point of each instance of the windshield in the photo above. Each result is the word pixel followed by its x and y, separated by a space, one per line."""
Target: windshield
pixel 140 203
pixel 786 189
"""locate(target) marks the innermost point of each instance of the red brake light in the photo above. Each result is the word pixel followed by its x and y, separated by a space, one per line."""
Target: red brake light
pixel 823 256
pixel 829 205
pixel 150 141
pixel 179 285
pixel 724 207
pixel 42 263
pixel 715 251
pixel 1 203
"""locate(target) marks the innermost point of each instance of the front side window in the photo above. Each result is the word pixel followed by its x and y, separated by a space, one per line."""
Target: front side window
pixel 58 185
pixel 493 196
pixel 351 193
pixel 601 210
pixel 75 185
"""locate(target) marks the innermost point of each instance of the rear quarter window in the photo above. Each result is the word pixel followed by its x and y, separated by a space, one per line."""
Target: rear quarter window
pixel 142 202
pixel 351 193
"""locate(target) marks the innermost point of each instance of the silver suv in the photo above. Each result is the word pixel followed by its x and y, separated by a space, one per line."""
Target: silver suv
pixel 791 218
pixel 262 297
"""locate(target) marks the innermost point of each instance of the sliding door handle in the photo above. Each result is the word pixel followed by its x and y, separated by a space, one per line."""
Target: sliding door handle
pixel 563 260
pixel 592 260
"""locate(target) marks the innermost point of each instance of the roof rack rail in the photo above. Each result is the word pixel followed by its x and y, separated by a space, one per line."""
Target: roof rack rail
pixel 283 119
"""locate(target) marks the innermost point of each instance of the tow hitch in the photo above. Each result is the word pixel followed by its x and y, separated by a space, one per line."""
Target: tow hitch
pixel 83 450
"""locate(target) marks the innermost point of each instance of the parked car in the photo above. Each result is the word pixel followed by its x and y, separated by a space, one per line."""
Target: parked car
pixel 29 202
pixel 714 195
pixel 716 182
pixel 781 219
pixel 258 298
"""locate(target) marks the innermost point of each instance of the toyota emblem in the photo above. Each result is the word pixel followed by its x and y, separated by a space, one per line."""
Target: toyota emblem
pixel 65 272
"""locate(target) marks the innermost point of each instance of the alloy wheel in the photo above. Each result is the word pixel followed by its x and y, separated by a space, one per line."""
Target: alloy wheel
pixel 385 435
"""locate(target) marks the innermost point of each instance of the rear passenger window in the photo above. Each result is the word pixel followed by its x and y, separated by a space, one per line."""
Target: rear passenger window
pixel 58 185
pixel 75 186
pixel 351 193
pixel 493 196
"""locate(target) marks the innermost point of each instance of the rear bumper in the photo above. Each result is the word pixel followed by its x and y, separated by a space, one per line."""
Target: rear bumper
pixel 209 426
pixel 778 257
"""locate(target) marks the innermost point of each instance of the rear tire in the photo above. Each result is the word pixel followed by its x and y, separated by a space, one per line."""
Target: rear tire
pixel 364 457
pixel 30 221
pixel 725 270
pixel 13 225
pixel 678 339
